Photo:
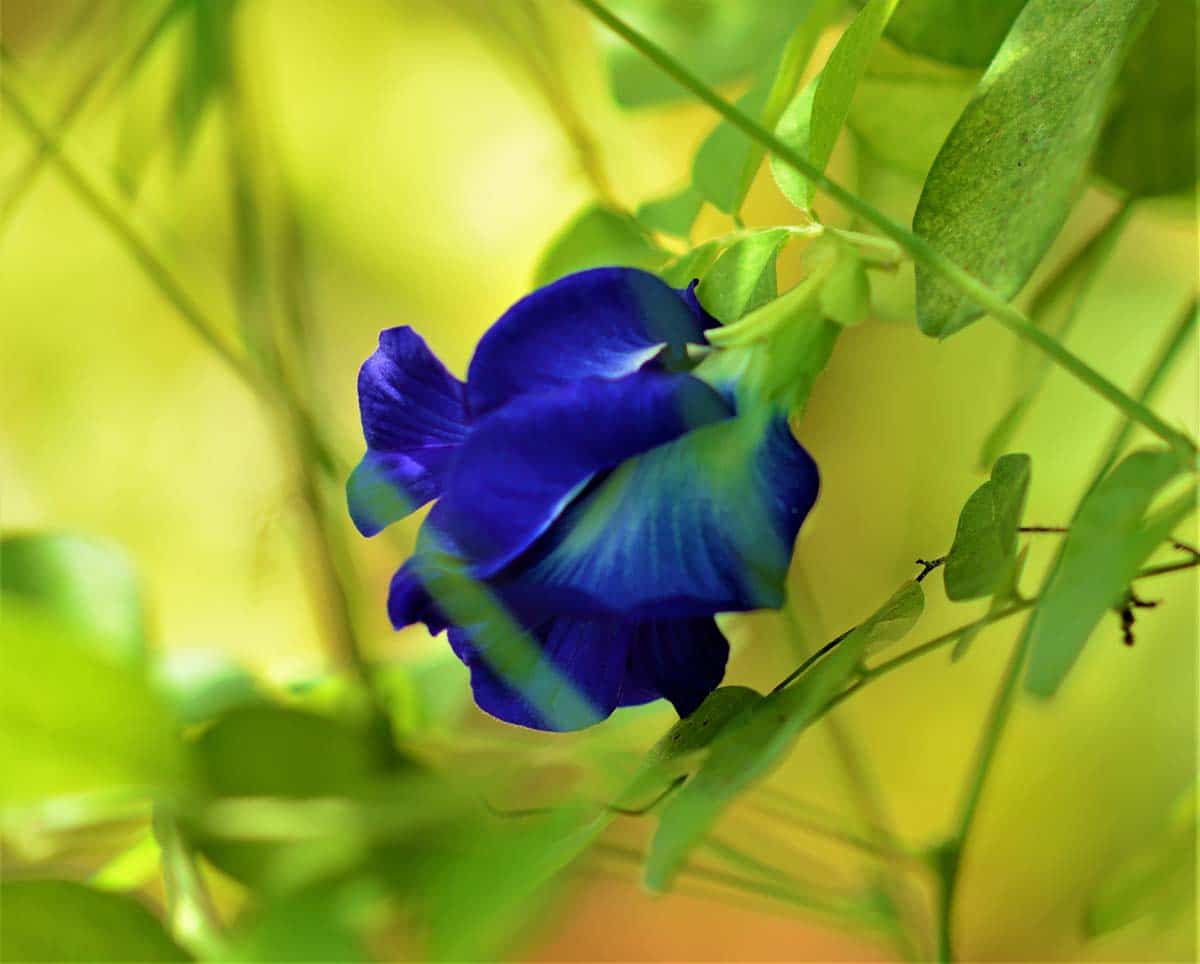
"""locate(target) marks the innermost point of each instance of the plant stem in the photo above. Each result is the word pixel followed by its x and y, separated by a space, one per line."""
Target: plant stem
pixel 190 910
pixel 920 249
pixel 156 269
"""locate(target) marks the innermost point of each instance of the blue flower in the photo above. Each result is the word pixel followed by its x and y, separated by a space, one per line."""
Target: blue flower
pixel 599 499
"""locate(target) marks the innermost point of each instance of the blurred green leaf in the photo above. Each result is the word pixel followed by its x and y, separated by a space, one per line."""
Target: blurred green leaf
pixel 88 584
pixel 1158 882
pixel 59 920
pixel 743 277
pixel 752 741
pixel 963 32
pixel 72 720
pixel 499 879
pixel 1148 147
pixel 724 153
pixel 673 214
pixel 427 693
pixel 811 122
pixel 1109 539
pixel 1007 176
pixel 985 543
pixel 905 106
pixel 203 68
pixel 201 684
pixel 846 294
pixel 598 235
pixel 313 926
pixel 276 751
pixel 715 39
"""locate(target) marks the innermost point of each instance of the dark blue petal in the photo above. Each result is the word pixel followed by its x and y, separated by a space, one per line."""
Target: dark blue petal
pixel 414 418
pixel 521 465
pixel 703 525
pixel 576 682
pixel 606 321
pixel 681 660
pixel 608 662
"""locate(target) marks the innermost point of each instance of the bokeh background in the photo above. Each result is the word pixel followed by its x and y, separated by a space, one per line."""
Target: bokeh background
pixel 429 173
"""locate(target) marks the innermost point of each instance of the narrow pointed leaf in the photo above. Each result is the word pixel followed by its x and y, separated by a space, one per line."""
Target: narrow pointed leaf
pixel 1110 537
pixel 811 123
pixel 1007 176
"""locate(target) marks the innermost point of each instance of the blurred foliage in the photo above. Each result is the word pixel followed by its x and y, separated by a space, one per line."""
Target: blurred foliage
pixel 212 746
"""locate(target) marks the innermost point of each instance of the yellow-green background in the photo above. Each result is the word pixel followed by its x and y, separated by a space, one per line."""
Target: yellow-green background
pixel 432 175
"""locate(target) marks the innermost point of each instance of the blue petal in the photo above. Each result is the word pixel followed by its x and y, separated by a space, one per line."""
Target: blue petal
pixel 681 660
pixel 521 465
pixel 414 418
pixel 703 525
pixel 606 321
pixel 589 667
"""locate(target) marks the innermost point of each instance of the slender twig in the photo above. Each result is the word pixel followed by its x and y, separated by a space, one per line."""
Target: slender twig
pixel 921 250
pixel 190 910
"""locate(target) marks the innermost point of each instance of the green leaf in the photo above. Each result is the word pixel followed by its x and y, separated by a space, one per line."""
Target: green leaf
pixel 674 214
pixel 755 739
pixel 716 40
pixel 1148 147
pixel 203 69
pixel 1007 176
pixel 905 106
pixel 497 880
pixel 308 926
pixel 86 583
pixel 727 161
pixel 680 749
pixel 846 295
pixel 985 543
pixel 743 277
pixel 695 264
pixel 59 920
pixel 598 235
pixel 1007 591
pixel 1158 882
pixel 811 122
pixel 963 32
pixel 275 751
pixel 1109 539
pixel 201 684
pixel 894 619
pixel 72 720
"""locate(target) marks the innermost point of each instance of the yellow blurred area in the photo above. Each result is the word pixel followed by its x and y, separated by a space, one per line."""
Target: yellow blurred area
pixel 431 175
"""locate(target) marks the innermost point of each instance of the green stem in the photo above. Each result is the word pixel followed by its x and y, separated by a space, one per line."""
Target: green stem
pixel 1151 382
pixel 190 910
pixel 950 862
pixel 920 249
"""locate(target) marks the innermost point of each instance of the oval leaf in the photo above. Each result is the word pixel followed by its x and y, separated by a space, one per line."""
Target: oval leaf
pixel 87 583
pixel 1004 181
pixel 72 720
pixel 985 543
pixel 598 235
pixel 59 920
